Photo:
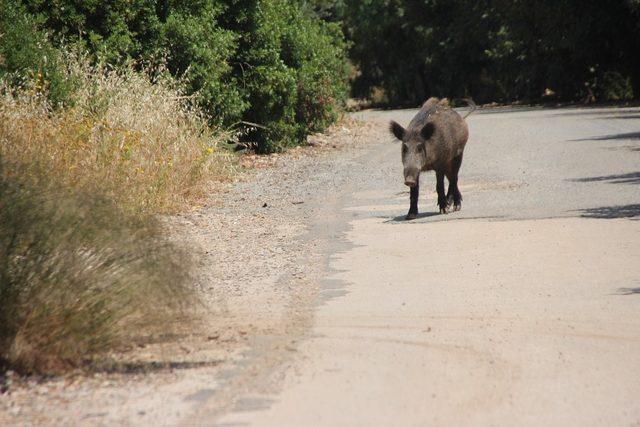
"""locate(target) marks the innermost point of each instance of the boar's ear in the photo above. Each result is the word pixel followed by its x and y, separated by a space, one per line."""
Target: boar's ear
pixel 397 130
pixel 427 130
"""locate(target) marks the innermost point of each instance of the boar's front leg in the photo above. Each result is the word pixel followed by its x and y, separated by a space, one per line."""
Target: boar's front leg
pixel 413 198
pixel 442 198
pixel 453 194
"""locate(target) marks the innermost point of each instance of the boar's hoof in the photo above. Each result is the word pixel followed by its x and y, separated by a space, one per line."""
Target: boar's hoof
pixel 411 215
pixel 457 207
pixel 444 209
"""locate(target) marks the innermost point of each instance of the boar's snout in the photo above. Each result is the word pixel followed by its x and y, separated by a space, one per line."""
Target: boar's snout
pixel 411 177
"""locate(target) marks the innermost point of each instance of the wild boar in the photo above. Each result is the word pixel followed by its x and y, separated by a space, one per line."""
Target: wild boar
pixel 434 140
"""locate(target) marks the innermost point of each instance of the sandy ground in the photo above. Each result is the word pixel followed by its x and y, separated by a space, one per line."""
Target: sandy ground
pixel 326 308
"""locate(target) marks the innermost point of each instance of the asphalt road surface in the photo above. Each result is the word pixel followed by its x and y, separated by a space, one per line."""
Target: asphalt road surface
pixel 521 309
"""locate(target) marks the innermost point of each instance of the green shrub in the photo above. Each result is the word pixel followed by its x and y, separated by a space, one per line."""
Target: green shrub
pixel 27 54
pixel 114 30
pixel 198 50
pixel 296 73
pixel 317 52
pixel 268 62
pixel 183 35
pixel 615 87
pixel 269 85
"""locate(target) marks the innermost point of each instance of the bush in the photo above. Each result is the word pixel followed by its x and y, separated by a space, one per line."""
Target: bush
pixel 183 35
pixel 296 73
pixel 493 51
pixel 317 51
pixel 266 62
pixel 615 87
pixel 82 255
pixel 135 139
pixel 198 50
pixel 27 55
pixel 76 272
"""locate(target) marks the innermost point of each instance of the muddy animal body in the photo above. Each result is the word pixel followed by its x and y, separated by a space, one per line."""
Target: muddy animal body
pixel 434 140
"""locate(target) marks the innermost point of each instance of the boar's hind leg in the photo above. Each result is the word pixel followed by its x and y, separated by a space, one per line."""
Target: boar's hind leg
pixel 453 193
pixel 442 198
pixel 413 207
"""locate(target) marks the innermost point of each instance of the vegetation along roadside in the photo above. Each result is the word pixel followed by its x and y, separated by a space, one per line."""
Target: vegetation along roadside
pixel 105 126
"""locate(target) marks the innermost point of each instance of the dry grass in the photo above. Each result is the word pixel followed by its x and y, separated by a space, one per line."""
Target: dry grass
pixel 83 258
pixel 138 141
pixel 77 274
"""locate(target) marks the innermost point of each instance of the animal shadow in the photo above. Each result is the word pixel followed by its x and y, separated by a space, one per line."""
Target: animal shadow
pixel 402 218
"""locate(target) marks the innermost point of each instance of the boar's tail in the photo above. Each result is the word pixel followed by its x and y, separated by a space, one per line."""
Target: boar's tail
pixel 472 106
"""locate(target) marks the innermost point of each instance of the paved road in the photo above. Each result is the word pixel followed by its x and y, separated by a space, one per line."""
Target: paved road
pixel 522 309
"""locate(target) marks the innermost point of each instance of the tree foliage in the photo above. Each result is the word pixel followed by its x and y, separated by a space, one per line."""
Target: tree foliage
pixel 282 64
pixel 267 62
pixel 495 50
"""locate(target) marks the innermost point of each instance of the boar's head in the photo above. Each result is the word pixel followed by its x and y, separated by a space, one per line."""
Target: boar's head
pixel 414 149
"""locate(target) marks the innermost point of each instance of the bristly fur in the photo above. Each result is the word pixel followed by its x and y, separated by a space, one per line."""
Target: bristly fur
pixel 434 140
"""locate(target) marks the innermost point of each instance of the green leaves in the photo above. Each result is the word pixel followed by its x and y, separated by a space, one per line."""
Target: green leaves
pixel 493 50
pixel 270 62
pixel 294 71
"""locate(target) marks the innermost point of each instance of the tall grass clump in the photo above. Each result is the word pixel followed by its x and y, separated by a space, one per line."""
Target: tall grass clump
pixel 84 259
pixel 77 274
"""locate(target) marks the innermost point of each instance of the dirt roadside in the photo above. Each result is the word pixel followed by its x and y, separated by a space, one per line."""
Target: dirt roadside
pixel 258 262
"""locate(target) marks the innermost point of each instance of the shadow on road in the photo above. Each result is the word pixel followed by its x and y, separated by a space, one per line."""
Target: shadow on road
pixel 606 112
pixel 627 178
pixel 567 110
pixel 440 217
pixel 625 147
pixel 625 136
pixel 633 116
pixel 611 212
pixel 139 367
pixel 401 218
pixel 628 291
